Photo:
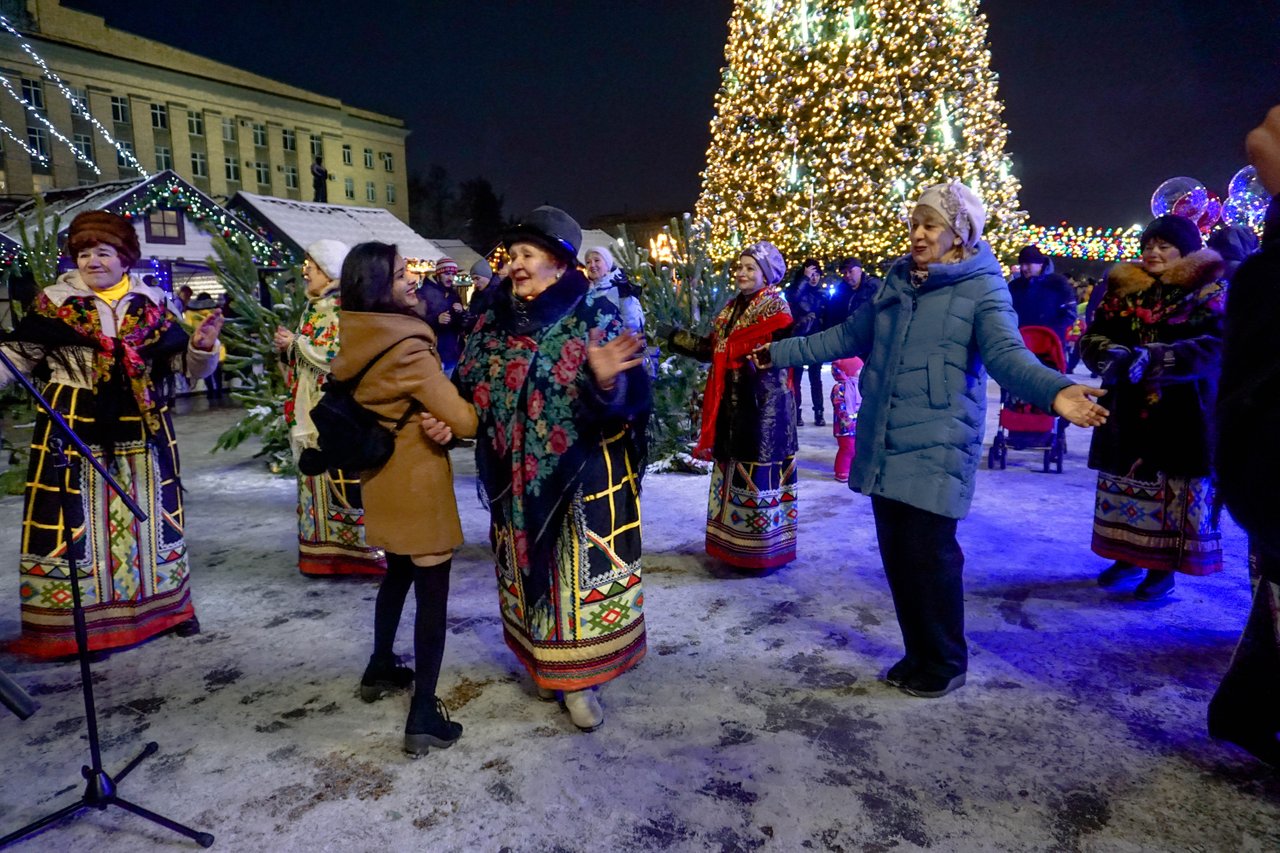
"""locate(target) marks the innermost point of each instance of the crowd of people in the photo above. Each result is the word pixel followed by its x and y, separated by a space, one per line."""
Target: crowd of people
pixel 546 373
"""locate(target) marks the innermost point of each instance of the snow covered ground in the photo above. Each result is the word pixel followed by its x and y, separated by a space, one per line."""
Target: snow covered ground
pixel 756 722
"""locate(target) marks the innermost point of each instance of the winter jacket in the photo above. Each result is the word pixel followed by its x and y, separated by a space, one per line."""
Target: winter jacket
pixel 1044 300
pixel 924 388
pixel 436 300
pixel 1248 407
pixel 808 303
pixel 409 506
pixel 1162 421
pixel 845 300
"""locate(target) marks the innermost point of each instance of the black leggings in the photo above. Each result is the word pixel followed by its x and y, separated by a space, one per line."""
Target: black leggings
pixel 431 590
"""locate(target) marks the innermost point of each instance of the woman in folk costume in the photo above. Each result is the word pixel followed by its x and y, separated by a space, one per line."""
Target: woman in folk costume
pixel 562 399
pixel 1156 340
pixel 330 518
pixel 106 341
pixel 748 421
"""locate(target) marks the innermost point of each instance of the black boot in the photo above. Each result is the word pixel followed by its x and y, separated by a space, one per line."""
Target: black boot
pixel 383 676
pixel 1117 573
pixel 429 725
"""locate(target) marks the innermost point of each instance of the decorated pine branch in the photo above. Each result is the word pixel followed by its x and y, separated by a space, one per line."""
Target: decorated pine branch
pixel 40 244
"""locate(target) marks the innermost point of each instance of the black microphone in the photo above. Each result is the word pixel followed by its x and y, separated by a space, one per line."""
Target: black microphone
pixel 15 698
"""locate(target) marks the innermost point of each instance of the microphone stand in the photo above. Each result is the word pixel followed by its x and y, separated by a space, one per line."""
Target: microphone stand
pixel 100 789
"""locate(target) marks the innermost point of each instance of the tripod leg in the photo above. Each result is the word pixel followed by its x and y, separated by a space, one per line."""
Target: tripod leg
pixel 33 828
pixel 204 839
pixel 148 750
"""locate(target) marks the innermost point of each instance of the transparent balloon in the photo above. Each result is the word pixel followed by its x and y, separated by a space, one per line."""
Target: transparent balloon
pixel 1190 192
pixel 1212 213
pixel 1246 182
pixel 1247 210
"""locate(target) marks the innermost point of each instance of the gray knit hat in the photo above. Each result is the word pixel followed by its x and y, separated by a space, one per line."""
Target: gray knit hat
pixel 769 259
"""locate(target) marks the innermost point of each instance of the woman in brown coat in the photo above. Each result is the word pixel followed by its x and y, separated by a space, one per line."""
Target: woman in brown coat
pixel 410 511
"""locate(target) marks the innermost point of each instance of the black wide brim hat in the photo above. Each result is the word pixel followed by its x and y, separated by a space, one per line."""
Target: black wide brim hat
pixel 548 227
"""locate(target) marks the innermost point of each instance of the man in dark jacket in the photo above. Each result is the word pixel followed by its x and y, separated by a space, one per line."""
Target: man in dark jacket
pixel 440 305
pixel 1041 297
pixel 808 304
pixel 854 289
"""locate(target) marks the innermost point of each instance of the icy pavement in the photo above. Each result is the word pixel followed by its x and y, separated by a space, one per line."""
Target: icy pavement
pixel 756 721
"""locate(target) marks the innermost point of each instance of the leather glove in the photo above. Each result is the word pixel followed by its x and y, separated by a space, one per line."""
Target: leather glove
pixel 1114 364
pixel 1139 365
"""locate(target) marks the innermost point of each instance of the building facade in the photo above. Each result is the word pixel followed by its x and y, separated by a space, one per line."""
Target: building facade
pixel 221 128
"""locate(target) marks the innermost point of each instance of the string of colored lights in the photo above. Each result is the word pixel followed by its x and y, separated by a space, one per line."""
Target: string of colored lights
pixel 832 114
pixel 1088 243
pixel 75 102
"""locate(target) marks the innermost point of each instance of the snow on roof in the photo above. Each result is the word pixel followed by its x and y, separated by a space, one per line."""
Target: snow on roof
pixel 459 251
pixel 304 222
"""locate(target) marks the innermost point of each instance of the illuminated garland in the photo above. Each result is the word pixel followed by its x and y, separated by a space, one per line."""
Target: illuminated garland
pixel 1090 244
pixel 833 114
pixel 76 105
pixel 35 155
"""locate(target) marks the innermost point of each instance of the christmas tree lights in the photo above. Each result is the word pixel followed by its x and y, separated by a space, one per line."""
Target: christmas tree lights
pixel 832 115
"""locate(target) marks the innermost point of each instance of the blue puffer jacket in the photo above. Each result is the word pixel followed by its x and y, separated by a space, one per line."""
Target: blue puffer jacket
pixel 924 386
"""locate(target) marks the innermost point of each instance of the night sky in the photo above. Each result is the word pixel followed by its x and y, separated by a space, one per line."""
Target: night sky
pixel 602 106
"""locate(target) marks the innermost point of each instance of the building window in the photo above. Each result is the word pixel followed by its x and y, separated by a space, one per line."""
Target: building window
pixel 346 155
pixel 391 193
pixel 199 164
pixel 370 191
pixel 387 162
pixel 317 146
pixel 260 135
pixel 83 143
pixel 291 177
pixel 38 140
pixel 349 185
pixel 368 158
pixel 232 169
pixel 228 130
pixel 164 225
pixel 80 97
pixel 160 116
pixel 119 109
pixel 263 171
pixel 123 148
pixel 33 92
pixel 195 124
pixel 289 138
pixel 164 158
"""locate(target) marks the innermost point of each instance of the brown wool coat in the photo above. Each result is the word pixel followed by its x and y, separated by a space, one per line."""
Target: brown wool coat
pixel 409 506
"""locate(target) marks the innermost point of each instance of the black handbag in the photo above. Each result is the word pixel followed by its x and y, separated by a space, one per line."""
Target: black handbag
pixel 350 436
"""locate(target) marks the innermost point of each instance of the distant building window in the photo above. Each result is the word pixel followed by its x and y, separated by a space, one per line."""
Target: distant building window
pixel 160 116
pixel 164 158
pixel 80 97
pixel 349 185
pixel 83 143
pixel 289 138
pixel 228 130
pixel 370 191
pixel 263 171
pixel 368 158
pixel 387 163
pixel 38 140
pixel 233 169
pixel 33 92
pixel 123 148
pixel 291 177
pixel 391 193
pixel 317 146
pixel 199 164
pixel 346 155
pixel 119 109
pixel 260 135
pixel 164 225
pixel 195 123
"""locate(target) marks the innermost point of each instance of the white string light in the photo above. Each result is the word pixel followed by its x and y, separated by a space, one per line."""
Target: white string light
pixel 80 108
pixel 31 108
pixel 34 153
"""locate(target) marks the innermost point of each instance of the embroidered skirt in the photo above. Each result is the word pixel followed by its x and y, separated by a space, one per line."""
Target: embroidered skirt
pixel 133 575
pixel 589 627
pixel 1164 524
pixel 752 513
pixel 331 528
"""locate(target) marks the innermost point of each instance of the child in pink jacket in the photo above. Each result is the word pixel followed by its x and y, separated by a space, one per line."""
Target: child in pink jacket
pixel 845 400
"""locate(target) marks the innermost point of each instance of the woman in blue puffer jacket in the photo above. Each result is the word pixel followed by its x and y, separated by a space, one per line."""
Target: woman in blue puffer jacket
pixel 941 319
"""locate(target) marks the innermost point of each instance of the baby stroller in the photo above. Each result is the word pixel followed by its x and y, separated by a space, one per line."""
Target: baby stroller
pixel 1022 425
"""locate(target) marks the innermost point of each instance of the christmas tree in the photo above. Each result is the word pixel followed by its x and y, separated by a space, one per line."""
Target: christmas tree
pixel 832 115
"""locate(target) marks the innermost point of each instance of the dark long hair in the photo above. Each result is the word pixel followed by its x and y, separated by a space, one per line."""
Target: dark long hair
pixel 366 279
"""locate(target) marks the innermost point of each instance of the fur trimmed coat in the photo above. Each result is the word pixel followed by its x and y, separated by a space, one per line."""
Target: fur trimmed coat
pixel 1160 423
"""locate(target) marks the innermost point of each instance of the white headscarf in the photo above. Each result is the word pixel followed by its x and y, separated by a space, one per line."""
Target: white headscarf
pixel 959 207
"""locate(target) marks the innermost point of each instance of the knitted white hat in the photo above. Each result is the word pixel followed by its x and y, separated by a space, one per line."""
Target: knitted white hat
pixel 959 207
pixel 328 256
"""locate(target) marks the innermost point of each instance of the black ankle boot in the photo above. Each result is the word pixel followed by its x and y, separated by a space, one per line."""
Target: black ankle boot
pixel 429 725
pixel 383 676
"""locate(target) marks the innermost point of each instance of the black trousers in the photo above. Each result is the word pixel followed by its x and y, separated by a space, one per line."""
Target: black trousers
pixel 815 388
pixel 924 565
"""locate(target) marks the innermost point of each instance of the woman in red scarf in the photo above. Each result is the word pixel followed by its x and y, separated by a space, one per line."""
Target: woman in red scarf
pixel 748 421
